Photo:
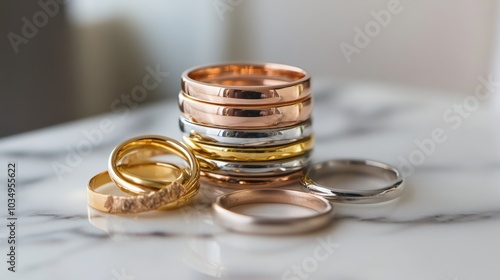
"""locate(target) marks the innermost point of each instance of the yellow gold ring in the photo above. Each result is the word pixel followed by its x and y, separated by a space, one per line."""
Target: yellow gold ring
pixel 152 178
pixel 141 150
pixel 130 204
pixel 214 152
pixel 164 172
pixel 161 173
pixel 246 83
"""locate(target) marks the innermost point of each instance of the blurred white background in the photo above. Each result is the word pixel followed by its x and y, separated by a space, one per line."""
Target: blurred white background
pixel 92 52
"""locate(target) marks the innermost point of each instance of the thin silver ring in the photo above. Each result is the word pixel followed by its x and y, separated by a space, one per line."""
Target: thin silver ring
pixel 271 225
pixel 391 191
pixel 245 137
pixel 257 169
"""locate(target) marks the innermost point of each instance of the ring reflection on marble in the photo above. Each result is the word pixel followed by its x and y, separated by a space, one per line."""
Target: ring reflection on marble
pixel 264 136
pixel 246 83
pixel 272 225
pixel 366 167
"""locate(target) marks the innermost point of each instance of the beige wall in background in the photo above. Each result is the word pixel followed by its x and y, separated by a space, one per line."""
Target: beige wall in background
pixel 443 44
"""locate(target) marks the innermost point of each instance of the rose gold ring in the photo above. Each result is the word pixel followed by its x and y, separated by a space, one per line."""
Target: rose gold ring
pixel 209 114
pixel 246 83
pixel 249 182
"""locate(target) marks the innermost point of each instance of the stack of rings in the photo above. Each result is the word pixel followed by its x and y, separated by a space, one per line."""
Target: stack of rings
pixel 147 182
pixel 243 126
pixel 249 125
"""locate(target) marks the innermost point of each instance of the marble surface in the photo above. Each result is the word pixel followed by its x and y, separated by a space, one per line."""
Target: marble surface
pixel 446 225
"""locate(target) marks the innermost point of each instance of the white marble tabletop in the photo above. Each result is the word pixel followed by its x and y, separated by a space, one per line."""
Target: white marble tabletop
pixel 446 225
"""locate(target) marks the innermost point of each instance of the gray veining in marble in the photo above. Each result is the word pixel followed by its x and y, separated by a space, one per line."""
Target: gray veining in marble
pixel 445 226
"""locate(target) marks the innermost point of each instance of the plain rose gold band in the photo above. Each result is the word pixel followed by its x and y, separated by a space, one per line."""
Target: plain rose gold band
pixel 214 115
pixel 249 182
pixel 246 83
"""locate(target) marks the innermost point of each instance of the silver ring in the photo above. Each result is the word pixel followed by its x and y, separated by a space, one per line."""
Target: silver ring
pixel 270 225
pixel 245 137
pixel 315 175
pixel 257 169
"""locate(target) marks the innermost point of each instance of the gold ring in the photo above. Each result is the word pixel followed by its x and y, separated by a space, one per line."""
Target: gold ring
pixel 165 173
pixel 141 150
pixel 146 180
pixel 293 149
pixel 130 204
pixel 245 117
pixel 246 83
pixel 162 173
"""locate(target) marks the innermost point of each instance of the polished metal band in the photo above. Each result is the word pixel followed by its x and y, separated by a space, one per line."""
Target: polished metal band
pixel 246 83
pixel 245 137
pixel 131 168
pixel 152 176
pixel 250 154
pixel 245 117
pixel 270 225
pixel 142 149
pixel 255 168
pixel 392 190
pixel 251 182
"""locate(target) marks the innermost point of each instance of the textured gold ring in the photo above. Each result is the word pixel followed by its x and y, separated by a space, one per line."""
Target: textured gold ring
pixel 130 204
pixel 156 185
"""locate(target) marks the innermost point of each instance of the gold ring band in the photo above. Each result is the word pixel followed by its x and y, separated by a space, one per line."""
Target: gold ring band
pixel 142 149
pixel 215 115
pixel 131 169
pixel 246 83
pixel 161 173
pixel 294 149
pixel 165 173
pixel 130 204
